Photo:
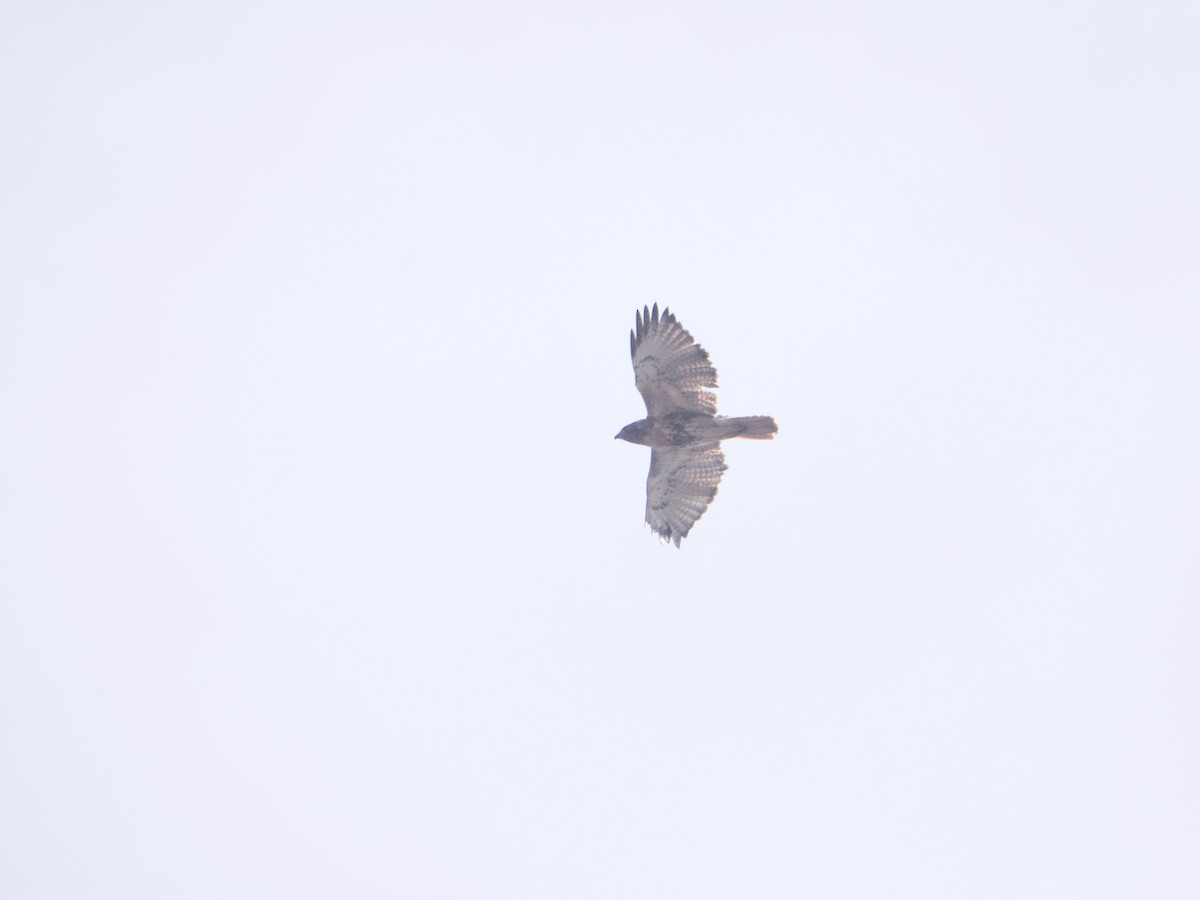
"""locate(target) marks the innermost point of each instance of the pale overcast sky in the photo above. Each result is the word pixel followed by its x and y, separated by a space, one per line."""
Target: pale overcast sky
pixel 323 576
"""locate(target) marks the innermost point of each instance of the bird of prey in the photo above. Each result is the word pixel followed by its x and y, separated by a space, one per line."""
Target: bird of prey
pixel 681 428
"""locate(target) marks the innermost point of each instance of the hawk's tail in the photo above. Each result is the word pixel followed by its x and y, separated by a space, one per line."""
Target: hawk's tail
pixel 759 428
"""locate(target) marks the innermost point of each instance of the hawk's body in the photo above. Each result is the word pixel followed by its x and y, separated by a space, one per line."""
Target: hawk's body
pixel 681 427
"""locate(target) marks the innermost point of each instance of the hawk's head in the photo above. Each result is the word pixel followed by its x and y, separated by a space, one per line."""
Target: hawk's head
pixel 634 432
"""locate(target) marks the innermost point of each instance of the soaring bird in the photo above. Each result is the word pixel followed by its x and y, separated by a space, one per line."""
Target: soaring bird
pixel 681 428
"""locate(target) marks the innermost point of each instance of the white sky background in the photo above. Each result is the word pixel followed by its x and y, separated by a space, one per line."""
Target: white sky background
pixel 323 575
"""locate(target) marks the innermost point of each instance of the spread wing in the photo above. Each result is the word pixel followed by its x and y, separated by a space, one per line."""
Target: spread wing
pixel 671 370
pixel 682 482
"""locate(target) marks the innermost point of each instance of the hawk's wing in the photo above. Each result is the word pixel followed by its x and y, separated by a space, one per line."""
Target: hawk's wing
pixel 682 482
pixel 671 370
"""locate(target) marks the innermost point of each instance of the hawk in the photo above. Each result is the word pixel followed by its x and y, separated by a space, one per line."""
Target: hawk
pixel 681 428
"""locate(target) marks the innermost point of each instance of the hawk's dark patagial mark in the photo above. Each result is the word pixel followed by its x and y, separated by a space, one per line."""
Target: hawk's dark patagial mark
pixel 681 428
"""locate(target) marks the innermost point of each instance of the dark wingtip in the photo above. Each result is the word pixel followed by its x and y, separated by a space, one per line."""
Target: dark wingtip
pixel 649 319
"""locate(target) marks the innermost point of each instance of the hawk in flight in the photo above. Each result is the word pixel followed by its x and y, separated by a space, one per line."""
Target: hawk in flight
pixel 681 428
